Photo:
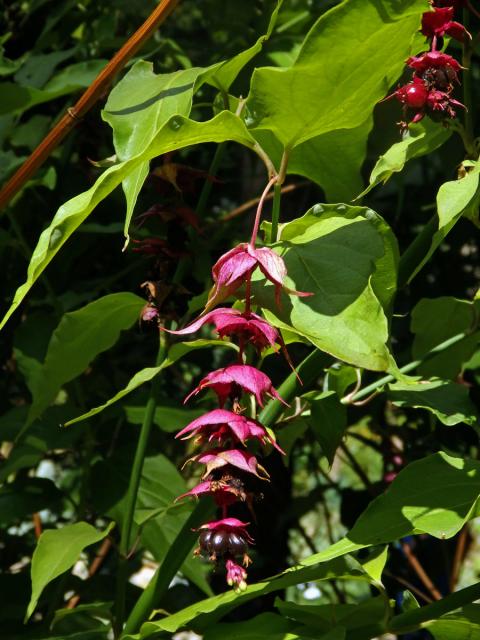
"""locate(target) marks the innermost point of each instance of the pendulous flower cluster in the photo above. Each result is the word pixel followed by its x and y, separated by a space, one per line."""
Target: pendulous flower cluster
pixel 435 74
pixel 232 472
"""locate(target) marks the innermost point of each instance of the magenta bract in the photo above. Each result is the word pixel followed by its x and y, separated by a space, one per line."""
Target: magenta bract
pixel 221 425
pixel 218 458
pixel 228 382
pixel 229 322
pixel 432 60
pixel 223 493
pixel 236 266
pixel 438 23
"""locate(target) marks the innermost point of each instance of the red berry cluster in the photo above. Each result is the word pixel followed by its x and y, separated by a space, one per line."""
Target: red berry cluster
pixel 435 73
pixel 232 472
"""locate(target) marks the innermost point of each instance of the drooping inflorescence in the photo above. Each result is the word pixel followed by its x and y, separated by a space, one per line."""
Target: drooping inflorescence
pixel 232 472
pixel 435 73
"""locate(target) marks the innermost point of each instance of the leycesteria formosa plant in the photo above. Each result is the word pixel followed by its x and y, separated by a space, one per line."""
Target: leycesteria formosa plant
pixel 231 472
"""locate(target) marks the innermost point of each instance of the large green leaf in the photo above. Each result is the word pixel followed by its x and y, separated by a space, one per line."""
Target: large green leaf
pixel 435 320
pixel 455 199
pixel 347 62
pixel 435 495
pixel 57 551
pixel 333 160
pixel 449 401
pixel 177 133
pixel 176 352
pixel 422 138
pixel 347 257
pixel 80 336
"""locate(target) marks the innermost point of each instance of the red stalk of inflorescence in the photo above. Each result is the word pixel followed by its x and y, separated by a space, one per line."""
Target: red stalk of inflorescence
pixel 232 473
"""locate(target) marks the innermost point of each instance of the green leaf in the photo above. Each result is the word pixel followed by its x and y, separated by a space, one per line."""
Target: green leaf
pixel 177 133
pixel 347 257
pixel 201 614
pixel 176 352
pixel 461 625
pixel 80 336
pixel 455 199
pixel 325 617
pixel 168 418
pixel 328 422
pixel 334 161
pixel 435 495
pixel 375 562
pixel 338 76
pixel 435 320
pixel 18 98
pixel 266 625
pixel 8 66
pixel 57 551
pixel 340 377
pixel 421 139
pixel 449 401
pixel 102 610
pixel 143 101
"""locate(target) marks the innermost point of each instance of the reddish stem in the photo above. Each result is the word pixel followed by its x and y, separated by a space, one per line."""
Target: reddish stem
pixel 258 215
pixel 248 293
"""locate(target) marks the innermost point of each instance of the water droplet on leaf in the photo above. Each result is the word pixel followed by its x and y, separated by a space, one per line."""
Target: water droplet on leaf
pixel 55 237
pixel 175 124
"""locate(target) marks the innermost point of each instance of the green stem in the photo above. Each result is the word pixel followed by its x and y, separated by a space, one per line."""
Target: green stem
pixel 411 259
pixel 308 371
pixel 418 617
pixel 158 585
pixel 134 484
pixel 208 184
pixel 371 388
pixel 277 196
